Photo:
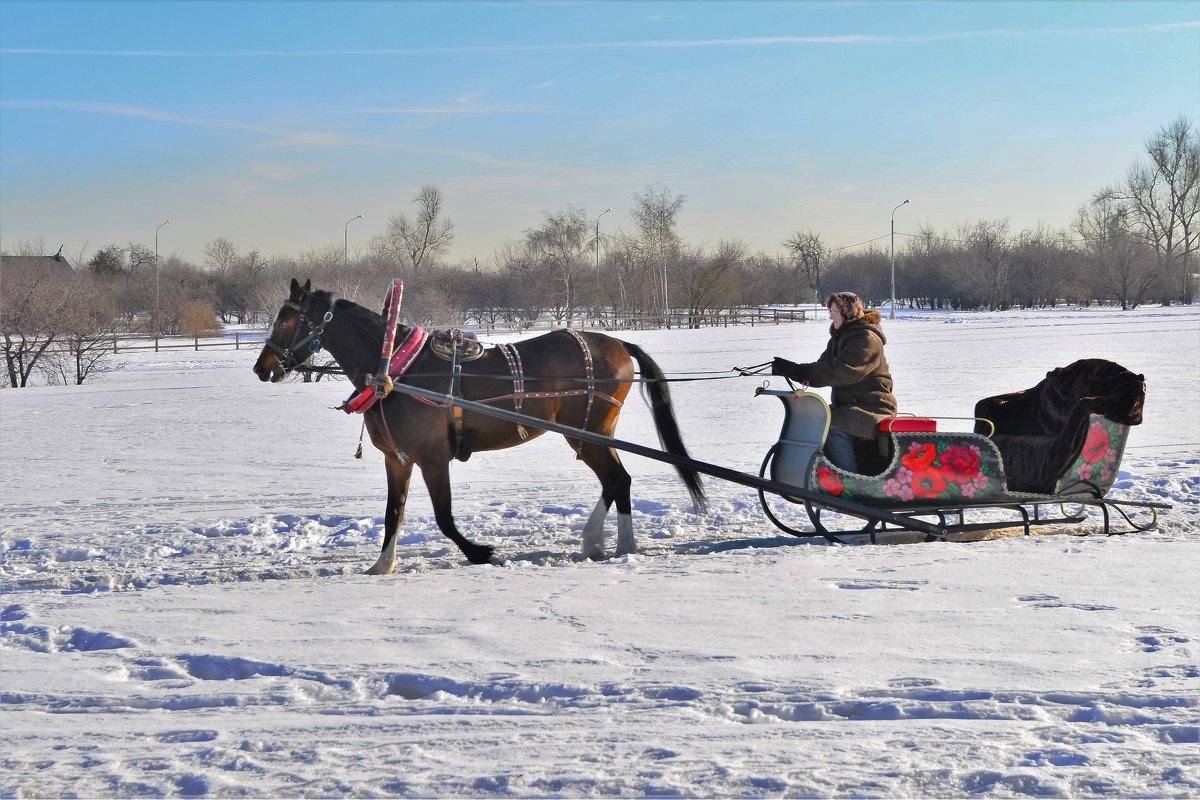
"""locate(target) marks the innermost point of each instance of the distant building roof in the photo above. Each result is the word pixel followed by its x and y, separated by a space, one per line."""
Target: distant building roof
pixel 56 264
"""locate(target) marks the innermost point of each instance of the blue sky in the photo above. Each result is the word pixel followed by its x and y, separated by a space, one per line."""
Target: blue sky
pixel 271 124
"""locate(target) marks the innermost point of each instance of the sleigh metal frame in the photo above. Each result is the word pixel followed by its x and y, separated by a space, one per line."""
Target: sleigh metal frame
pixel 955 481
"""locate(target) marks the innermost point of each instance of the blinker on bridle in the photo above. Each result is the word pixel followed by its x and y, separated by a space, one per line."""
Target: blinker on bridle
pixel 313 337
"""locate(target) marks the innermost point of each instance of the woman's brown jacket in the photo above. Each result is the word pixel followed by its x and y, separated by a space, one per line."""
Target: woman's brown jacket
pixel 853 364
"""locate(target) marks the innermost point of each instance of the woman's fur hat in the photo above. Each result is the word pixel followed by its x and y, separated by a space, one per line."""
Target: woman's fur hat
pixel 847 303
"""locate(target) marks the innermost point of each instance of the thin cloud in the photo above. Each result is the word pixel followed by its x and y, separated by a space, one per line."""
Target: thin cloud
pixel 319 139
pixel 659 44
pixel 117 110
pixel 448 110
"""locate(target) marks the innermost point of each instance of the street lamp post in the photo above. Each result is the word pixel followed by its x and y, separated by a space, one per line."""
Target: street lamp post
pixel 156 230
pixel 597 245
pixel 892 309
pixel 346 240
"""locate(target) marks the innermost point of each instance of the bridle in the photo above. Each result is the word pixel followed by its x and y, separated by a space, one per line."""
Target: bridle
pixel 312 338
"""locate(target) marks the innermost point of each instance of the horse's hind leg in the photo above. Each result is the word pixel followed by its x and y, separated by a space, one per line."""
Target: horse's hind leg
pixel 398 475
pixel 593 529
pixel 614 483
pixel 437 479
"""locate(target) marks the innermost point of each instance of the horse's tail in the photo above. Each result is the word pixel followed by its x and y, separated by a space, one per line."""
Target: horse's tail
pixel 654 383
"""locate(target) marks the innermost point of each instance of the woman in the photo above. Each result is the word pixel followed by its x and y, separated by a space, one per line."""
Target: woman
pixel 854 365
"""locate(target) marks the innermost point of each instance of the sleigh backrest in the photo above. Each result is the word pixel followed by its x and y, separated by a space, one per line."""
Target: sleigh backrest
pixel 805 426
pixel 1043 431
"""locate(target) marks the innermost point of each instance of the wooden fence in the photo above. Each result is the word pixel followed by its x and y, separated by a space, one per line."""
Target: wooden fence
pixel 125 342
pixel 677 319
pixel 130 342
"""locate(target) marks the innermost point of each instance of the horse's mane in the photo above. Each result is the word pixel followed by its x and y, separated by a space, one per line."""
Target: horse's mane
pixel 348 308
pixel 365 329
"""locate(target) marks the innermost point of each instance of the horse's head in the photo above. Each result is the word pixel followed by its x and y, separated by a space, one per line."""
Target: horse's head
pixel 296 333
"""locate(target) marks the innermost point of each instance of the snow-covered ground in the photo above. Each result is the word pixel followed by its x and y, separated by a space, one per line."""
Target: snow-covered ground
pixel 184 611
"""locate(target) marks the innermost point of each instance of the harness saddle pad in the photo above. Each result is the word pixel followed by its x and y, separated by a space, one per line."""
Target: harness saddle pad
pixel 445 343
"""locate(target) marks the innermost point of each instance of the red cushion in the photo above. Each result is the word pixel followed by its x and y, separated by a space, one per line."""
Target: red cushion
pixel 909 425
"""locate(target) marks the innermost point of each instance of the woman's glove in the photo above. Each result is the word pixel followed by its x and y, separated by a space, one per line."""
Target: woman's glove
pixel 781 366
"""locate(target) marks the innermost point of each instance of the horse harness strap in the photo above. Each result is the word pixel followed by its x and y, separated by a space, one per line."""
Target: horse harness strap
pixel 513 357
pixel 460 443
pixel 314 333
pixel 590 370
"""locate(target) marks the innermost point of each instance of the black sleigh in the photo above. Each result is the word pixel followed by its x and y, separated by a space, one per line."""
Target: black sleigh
pixel 1047 455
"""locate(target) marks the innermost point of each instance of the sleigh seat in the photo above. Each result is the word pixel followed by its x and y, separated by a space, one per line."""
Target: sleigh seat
pixel 1066 435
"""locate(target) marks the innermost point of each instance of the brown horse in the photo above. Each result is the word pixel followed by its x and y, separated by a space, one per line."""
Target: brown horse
pixel 572 378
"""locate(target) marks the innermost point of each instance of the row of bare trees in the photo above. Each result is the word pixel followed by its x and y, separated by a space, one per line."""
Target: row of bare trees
pixel 1132 243
pixel 55 327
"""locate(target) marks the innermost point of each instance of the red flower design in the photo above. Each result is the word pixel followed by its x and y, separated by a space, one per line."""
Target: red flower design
pixel 928 482
pixel 921 457
pixel 1097 443
pixel 830 481
pixel 960 464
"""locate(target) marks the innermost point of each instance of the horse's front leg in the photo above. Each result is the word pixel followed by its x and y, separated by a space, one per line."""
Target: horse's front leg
pixel 437 479
pixel 398 474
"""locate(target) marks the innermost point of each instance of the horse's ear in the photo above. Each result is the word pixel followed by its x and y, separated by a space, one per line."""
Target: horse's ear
pixel 296 292
pixel 307 285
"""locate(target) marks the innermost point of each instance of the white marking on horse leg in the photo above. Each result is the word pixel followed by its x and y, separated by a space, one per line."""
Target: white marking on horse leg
pixel 386 562
pixel 625 542
pixel 593 531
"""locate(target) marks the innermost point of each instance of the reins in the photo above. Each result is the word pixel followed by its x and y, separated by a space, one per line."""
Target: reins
pixel 687 377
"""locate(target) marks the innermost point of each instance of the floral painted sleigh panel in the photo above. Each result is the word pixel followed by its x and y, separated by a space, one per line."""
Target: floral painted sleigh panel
pixel 925 469
pixel 930 469
pixel 1098 464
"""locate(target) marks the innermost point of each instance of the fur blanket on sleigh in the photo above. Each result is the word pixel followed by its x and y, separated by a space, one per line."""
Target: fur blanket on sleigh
pixel 1040 431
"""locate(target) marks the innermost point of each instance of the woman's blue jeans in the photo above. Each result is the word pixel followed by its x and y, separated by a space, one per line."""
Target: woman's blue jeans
pixel 839 448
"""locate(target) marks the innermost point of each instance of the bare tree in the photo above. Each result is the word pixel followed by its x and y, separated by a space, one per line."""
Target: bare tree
pixel 809 255
pixel 530 293
pixel 658 245
pixel 1039 267
pixel 84 348
pixel 35 304
pixel 415 244
pixel 180 281
pixel 988 260
pixel 864 272
pixel 761 279
pixel 705 279
pixel 140 257
pixel 488 295
pixel 928 270
pixel 220 255
pixel 1121 264
pixel 558 245
pixel 1165 196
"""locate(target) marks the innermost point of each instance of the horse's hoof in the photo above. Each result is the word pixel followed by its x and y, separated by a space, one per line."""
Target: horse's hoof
pixel 378 569
pixel 479 554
